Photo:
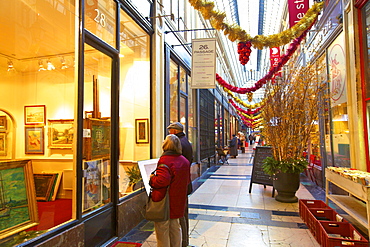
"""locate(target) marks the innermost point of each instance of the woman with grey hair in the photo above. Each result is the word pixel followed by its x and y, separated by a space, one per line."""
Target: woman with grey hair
pixel 177 177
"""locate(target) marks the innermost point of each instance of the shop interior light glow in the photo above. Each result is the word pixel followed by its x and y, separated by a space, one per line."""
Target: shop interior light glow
pixel 50 65
pixel 41 66
pixel 64 65
pixel 10 66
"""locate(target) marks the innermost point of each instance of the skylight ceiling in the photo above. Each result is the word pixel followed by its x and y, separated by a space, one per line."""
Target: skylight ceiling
pixel 255 17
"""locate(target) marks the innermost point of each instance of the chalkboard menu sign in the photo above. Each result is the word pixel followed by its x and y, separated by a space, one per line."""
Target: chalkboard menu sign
pixel 258 175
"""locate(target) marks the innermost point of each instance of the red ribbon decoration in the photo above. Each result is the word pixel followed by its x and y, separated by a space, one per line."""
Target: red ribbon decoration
pixel 284 59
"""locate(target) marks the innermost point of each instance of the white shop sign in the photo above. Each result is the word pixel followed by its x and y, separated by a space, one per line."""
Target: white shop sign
pixel 203 67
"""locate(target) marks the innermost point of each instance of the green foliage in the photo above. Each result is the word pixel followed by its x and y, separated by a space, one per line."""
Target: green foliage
pixel 271 166
pixel 134 174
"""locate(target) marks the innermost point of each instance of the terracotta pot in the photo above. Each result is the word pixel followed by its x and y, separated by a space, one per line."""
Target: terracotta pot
pixel 286 185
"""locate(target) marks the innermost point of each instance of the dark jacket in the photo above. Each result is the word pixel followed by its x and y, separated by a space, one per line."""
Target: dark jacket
pixel 178 179
pixel 187 151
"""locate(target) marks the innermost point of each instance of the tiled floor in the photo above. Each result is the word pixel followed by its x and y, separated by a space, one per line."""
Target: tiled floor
pixel 223 213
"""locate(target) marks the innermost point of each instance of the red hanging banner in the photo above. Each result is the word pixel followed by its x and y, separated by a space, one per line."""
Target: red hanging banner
pixel 275 58
pixel 297 9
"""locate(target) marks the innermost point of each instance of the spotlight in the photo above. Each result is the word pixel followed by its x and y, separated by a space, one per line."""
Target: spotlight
pixel 50 65
pixel 63 61
pixel 10 66
pixel 41 66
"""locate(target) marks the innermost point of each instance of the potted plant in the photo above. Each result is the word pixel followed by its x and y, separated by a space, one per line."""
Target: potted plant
pixel 288 119
pixel 135 177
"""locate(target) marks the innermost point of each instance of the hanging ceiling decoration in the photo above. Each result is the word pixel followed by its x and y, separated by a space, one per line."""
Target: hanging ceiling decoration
pixel 235 32
pixel 273 70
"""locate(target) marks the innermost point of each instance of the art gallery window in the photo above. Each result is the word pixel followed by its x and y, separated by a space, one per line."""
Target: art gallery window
pixel 134 103
pixel 97 129
pixel 37 112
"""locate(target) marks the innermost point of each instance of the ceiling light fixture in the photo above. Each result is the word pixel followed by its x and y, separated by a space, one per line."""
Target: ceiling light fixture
pixel 63 61
pixel 10 66
pixel 50 65
pixel 41 66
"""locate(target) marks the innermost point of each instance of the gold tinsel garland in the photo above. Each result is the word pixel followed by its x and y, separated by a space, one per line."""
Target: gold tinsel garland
pixel 235 32
pixel 237 99
pixel 257 116
pixel 241 102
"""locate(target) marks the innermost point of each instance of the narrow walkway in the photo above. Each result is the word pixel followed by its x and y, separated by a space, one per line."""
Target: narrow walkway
pixel 223 213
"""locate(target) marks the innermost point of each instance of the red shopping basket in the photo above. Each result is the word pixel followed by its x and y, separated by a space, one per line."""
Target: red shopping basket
pixel 335 234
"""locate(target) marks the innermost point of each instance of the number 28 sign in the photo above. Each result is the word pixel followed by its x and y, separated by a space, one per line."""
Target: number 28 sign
pixel 99 18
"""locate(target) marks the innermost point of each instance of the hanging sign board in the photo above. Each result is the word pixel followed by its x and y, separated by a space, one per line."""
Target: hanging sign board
pixel 275 58
pixel 258 175
pixel 203 66
pixel 297 9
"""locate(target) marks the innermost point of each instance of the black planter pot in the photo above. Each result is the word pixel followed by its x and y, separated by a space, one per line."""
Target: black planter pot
pixel 286 184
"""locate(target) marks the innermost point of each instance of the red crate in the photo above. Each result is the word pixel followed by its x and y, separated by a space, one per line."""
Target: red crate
pixel 305 205
pixel 344 229
pixel 315 215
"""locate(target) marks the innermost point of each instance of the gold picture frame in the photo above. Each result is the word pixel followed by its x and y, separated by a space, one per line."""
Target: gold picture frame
pixel 34 140
pixel 97 141
pixel 142 130
pixel 61 133
pixel 34 115
pixel 3 144
pixel 19 204
pixel 3 123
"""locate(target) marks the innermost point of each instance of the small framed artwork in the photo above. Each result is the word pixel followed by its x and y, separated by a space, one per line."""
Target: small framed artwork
pixel 142 130
pixel 3 123
pixel 34 140
pixel 44 185
pixel 3 144
pixel 60 133
pixel 34 115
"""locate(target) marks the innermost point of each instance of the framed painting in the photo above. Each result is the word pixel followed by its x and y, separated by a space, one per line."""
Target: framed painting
pixel 34 115
pixel 97 143
pixel 3 144
pixel 44 185
pixel 61 133
pixel 92 184
pixel 18 205
pixel 34 140
pixel 142 130
pixel 3 123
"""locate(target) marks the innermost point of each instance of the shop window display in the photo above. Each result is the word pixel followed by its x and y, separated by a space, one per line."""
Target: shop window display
pixel 338 103
pixel 97 125
pixel 37 59
pixel 134 104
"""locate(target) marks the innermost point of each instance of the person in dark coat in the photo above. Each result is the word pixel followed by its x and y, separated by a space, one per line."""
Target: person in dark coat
pixel 177 129
pixel 168 233
pixel 251 139
pixel 233 147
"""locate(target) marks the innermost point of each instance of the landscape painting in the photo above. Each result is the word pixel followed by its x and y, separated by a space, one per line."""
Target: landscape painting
pixel 18 209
